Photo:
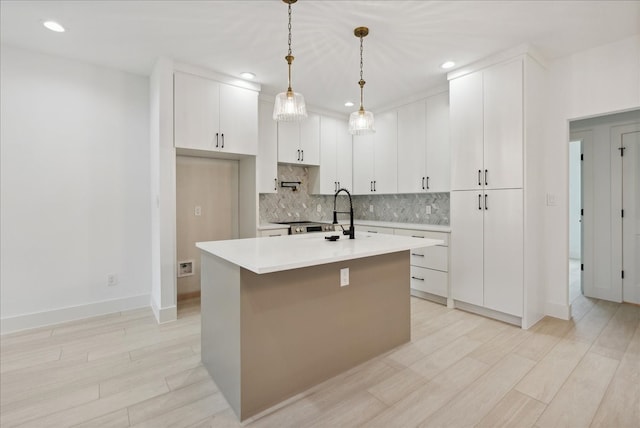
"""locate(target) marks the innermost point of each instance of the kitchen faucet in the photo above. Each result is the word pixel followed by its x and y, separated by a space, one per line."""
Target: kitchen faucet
pixel 352 230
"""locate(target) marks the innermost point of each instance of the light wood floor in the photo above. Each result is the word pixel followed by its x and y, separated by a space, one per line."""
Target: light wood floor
pixel 459 370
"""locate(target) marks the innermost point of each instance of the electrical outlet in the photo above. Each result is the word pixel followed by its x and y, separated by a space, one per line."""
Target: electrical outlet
pixel 551 199
pixel 319 208
pixel 344 277
pixel 198 210
pixel 428 209
pixel 112 279
pixel 370 208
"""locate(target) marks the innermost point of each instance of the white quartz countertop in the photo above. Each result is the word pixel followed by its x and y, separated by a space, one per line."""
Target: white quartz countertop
pixel 414 226
pixel 273 254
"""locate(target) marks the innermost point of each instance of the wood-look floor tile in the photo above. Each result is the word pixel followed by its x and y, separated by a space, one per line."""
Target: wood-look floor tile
pixel 546 378
pixel 497 348
pixel 352 412
pixel 589 327
pixel 545 335
pixel 117 419
pixel 578 399
pixel 187 377
pixel 514 410
pixel 436 362
pixel 223 419
pixel 426 400
pixel 397 386
pixel 172 400
pixel 477 400
pixel 188 414
pixel 615 337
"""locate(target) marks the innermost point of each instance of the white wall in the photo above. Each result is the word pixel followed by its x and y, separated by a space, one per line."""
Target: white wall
pixel 574 200
pixel 75 185
pixel 594 82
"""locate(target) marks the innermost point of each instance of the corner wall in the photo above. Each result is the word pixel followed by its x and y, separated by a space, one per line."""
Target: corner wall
pixel 74 189
pixel 595 82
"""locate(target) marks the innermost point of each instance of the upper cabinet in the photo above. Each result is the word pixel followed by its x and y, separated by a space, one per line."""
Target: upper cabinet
pixel 267 159
pixel 487 128
pixel 336 151
pixel 299 142
pixel 375 156
pixel 423 145
pixel 214 116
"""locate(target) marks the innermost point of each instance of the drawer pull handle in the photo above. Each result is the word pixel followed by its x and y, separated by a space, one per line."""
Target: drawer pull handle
pixel 419 279
pixel 417 236
pixel 372 231
pixel 418 255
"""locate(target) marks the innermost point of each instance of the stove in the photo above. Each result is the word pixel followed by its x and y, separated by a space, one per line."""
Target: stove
pixel 298 227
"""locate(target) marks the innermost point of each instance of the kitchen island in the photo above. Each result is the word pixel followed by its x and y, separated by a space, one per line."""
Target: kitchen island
pixel 277 317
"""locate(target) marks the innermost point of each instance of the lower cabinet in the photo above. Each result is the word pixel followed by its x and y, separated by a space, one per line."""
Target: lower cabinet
pixel 487 266
pixel 273 232
pixel 429 265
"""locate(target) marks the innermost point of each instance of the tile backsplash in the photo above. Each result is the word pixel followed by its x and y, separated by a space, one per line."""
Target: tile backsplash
pixel 290 205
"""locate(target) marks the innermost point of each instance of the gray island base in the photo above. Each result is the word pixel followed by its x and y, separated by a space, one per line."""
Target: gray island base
pixel 268 337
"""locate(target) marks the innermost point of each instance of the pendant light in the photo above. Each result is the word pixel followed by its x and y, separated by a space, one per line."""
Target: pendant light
pixel 361 121
pixel 289 106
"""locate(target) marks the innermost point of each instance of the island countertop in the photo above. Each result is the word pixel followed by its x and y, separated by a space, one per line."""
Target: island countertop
pixel 274 254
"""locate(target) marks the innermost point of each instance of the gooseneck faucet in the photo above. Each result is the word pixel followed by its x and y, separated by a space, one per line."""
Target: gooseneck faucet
pixel 352 230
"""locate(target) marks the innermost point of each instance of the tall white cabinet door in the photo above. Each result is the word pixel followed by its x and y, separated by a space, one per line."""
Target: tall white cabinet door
pixel 267 160
pixel 327 173
pixel 503 250
pixel 438 145
pixel 503 126
pixel 344 156
pixel 289 142
pixel 196 112
pixel 363 148
pixel 412 147
pixel 466 124
pixel 238 120
pixel 310 140
pixel 386 153
pixel 466 267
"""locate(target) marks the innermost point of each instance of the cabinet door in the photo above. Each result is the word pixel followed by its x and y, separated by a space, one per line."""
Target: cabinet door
pixel 363 164
pixel 196 112
pixel 466 125
pixel 310 140
pixel 267 160
pixel 385 165
pixel 325 180
pixel 289 142
pixel 503 251
pixel 238 120
pixel 438 159
pixel 503 130
pixel 344 156
pixel 466 262
pixel 412 147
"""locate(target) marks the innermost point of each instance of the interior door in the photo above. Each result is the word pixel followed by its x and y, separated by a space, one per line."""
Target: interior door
pixel 630 141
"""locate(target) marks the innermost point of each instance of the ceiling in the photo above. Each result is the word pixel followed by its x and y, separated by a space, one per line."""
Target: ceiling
pixel 408 40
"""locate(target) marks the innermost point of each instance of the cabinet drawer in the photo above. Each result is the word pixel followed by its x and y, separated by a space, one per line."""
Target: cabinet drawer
pixel 273 232
pixel 429 281
pixel 424 234
pixel 436 257
pixel 374 229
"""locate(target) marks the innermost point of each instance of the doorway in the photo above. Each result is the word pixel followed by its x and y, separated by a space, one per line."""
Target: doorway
pixel 608 197
pixel 206 210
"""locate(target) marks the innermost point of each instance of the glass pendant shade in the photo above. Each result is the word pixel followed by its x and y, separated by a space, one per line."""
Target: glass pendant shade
pixel 361 123
pixel 289 107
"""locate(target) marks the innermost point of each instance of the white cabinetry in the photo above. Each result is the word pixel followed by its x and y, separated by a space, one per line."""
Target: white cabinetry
pixel 423 145
pixel 487 264
pixel 270 233
pixel 375 168
pixel 336 151
pixel 487 128
pixel 495 164
pixel 299 142
pixel 213 116
pixel 267 160
pixel 429 265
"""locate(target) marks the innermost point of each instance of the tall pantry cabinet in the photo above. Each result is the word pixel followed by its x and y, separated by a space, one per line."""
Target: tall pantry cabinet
pixel 496 189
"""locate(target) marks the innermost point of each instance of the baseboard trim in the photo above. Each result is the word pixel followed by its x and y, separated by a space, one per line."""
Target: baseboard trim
pixel 428 296
pixel 489 313
pixel 188 296
pixel 557 310
pixel 72 313
pixel 164 315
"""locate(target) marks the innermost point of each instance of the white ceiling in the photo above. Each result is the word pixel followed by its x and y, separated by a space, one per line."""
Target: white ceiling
pixel 408 40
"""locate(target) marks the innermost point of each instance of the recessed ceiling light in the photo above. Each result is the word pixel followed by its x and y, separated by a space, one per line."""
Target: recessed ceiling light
pixel 447 64
pixel 348 104
pixel 247 75
pixel 54 26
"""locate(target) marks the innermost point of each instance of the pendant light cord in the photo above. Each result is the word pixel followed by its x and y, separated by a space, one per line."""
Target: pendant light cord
pixel 289 57
pixel 361 82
